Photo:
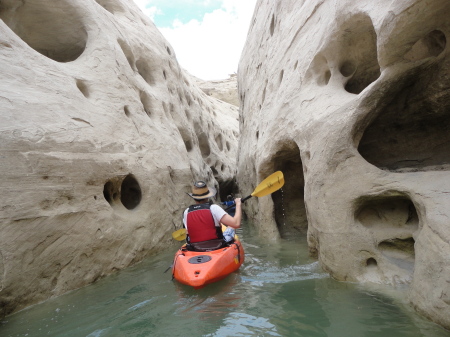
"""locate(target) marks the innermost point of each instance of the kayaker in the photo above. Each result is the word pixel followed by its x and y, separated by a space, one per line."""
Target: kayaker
pixel 203 220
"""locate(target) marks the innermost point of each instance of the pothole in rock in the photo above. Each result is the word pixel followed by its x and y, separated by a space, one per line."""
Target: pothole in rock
pixel 55 29
pixel 186 136
pixel 431 45
pixel 146 71
pixel 399 252
pixel 350 54
pixel 111 6
pixel 387 212
pixel 123 191
pixel 358 53
pixel 392 221
pixel 83 87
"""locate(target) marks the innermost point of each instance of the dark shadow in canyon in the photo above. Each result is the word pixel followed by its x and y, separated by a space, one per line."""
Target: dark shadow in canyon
pixel 289 202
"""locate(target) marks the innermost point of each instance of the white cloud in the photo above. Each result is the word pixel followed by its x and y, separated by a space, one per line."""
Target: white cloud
pixel 148 10
pixel 211 48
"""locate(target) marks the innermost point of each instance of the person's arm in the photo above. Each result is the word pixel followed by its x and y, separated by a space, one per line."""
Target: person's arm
pixel 184 220
pixel 233 221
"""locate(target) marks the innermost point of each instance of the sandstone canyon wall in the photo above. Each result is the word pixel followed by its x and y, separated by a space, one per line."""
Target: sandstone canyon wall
pixel 101 134
pixel 351 100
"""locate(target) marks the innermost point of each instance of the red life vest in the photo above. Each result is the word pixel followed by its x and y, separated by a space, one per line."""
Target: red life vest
pixel 200 224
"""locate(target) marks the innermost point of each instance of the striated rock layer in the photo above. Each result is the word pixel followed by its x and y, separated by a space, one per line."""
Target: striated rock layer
pixel 351 100
pixel 101 135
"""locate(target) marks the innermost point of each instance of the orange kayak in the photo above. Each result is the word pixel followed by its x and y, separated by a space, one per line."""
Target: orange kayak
pixel 197 269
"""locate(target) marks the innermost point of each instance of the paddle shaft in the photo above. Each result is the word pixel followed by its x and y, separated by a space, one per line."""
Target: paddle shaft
pixel 242 200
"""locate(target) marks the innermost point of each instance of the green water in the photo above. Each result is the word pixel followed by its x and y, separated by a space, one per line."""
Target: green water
pixel 279 291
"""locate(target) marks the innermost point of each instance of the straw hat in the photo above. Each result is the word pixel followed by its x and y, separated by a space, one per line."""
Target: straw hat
pixel 201 191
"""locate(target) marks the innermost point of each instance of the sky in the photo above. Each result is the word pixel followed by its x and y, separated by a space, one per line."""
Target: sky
pixel 207 35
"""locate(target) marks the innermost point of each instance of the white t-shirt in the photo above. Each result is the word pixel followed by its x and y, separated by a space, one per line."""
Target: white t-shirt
pixel 217 213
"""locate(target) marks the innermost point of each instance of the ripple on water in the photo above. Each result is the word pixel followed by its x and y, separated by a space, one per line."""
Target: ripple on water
pixel 242 324
pixel 265 273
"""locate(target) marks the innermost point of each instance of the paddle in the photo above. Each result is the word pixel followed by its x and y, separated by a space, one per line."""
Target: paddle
pixel 180 234
pixel 269 185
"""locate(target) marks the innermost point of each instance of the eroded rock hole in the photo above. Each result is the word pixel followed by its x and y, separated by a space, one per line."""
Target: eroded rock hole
pixel 126 49
pixel 433 44
pixel 325 78
pixel 146 103
pixel 411 133
pixel 356 49
pixel 130 192
pixel 127 111
pixel 392 214
pixel 81 85
pixel 289 202
pixel 219 141
pixel 371 262
pixel 347 69
pixel 145 71
pixel 404 245
pixel 392 220
pixel 203 143
pixel 399 252
pixel 319 70
pixel 186 136
pixel 111 6
pixel 108 192
pixel 214 171
pixel 272 25
pixel 55 29
pixel 264 93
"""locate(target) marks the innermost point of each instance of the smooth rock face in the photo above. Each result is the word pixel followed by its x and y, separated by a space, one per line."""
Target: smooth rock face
pixel 101 135
pixel 351 100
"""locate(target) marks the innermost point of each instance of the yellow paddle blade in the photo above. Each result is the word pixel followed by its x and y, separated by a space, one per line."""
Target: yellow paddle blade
pixel 180 234
pixel 269 185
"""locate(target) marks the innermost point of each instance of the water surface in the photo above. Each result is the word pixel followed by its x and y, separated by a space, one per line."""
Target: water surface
pixel 279 291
